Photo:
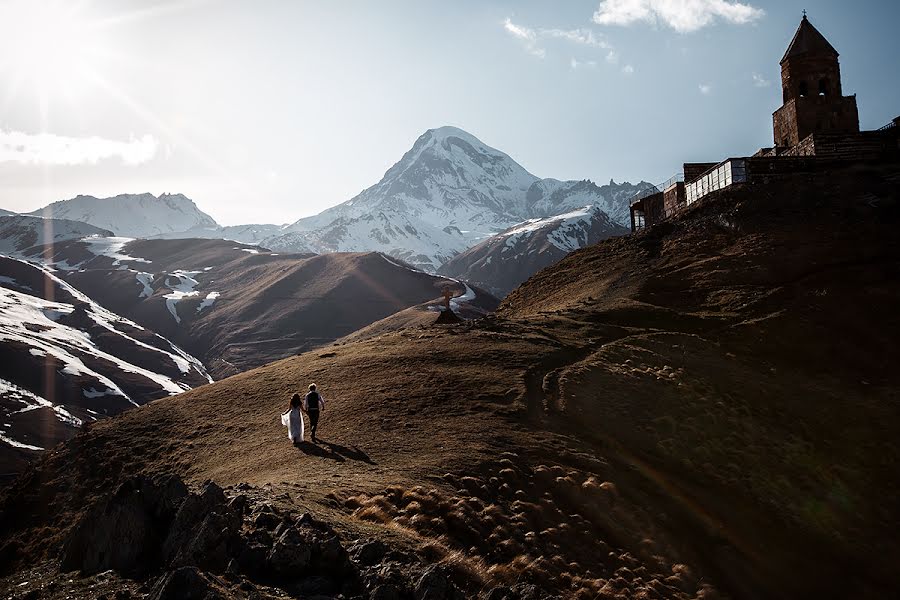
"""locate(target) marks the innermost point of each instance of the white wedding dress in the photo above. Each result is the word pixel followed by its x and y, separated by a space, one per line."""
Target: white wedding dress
pixel 293 420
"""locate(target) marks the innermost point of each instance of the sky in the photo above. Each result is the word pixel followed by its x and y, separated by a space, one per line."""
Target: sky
pixel 272 110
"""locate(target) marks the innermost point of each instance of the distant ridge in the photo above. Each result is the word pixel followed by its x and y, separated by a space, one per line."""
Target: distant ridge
pixel 132 215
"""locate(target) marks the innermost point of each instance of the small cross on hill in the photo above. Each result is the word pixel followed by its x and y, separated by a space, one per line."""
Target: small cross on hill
pixel 448 293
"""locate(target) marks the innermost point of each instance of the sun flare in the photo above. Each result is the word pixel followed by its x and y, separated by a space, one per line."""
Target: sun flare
pixel 51 46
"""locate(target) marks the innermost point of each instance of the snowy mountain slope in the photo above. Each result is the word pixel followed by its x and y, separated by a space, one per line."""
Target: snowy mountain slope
pixel 20 232
pixel 132 215
pixel 446 194
pixel 447 176
pixel 552 197
pixel 66 359
pixel 503 261
pixel 245 234
pixel 394 233
pixel 237 306
pixel 6 213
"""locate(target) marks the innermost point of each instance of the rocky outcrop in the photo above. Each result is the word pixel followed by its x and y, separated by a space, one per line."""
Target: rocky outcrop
pixel 126 532
pixel 157 527
pixel 207 545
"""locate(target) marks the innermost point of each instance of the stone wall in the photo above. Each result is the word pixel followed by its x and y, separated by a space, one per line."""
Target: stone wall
pixel 801 117
pixel 866 145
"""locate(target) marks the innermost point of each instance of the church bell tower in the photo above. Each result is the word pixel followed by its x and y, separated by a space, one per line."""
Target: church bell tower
pixel 812 92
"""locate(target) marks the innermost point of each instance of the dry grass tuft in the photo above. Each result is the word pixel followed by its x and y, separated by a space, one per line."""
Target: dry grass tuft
pixel 373 514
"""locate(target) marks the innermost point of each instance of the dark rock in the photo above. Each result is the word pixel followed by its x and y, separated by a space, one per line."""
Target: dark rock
pixel 435 584
pixel 239 504
pixel 500 593
pixel 290 555
pixel 187 583
pixel 317 586
pixel 281 528
pixel 261 537
pixel 124 532
pixel 527 591
pixel 204 532
pixel 385 592
pixel 233 567
pixel 267 520
pixel 330 552
pixel 393 574
pixel 369 553
pixel 252 559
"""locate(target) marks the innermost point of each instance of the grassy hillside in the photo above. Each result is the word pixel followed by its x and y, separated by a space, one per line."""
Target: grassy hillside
pixel 705 409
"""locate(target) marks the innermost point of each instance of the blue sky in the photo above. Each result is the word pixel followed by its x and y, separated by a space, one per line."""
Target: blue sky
pixel 272 110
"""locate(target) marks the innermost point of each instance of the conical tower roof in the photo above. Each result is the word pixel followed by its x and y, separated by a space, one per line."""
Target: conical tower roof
pixel 808 40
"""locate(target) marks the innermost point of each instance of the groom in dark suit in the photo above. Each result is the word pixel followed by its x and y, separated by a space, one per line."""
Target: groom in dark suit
pixel 314 405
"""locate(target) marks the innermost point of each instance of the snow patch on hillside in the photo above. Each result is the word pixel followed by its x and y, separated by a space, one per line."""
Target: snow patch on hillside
pixel 53 311
pixel 112 247
pixel 182 288
pixel 33 322
pixel 32 401
pixel 145 279
pixel 208 301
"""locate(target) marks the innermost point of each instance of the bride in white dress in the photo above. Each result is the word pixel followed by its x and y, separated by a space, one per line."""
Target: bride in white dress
pixel 293 419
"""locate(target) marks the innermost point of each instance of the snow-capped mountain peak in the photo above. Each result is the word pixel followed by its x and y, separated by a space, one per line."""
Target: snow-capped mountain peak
pixel 158 215
pixel 448 192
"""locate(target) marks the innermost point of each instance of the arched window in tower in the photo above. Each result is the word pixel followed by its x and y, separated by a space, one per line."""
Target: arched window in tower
pixel 804 89
pixel 823 87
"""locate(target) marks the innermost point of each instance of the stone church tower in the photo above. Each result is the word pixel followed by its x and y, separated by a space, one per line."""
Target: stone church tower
pixel 811 85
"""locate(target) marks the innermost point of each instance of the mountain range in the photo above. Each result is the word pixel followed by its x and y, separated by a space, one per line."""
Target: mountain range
pixel 131 215
pixel 503 261
pixel 235 298
pixel 449 192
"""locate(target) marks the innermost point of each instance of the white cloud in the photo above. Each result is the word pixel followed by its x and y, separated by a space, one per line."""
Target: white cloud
pixel 760 81
pixel 584 37
pixel 577 64
pixel 681 15
pixel 50 149
pixel 705 89
pixel 527 35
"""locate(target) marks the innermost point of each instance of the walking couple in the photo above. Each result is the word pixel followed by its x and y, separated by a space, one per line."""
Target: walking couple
pixel 313 404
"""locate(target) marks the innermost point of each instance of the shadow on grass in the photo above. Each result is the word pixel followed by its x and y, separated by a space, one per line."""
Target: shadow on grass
pixel 333 451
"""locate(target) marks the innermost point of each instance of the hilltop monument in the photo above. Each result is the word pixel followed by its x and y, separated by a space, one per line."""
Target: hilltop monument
pixel 816 128
pixel 812 92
